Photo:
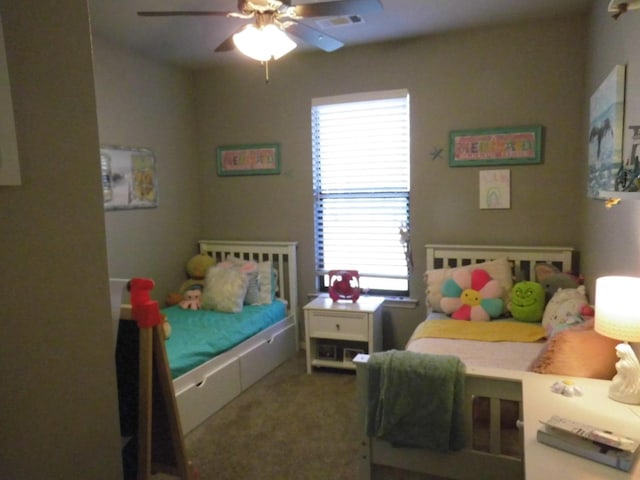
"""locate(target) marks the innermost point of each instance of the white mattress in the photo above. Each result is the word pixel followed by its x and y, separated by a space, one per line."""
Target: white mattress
pixel 475 353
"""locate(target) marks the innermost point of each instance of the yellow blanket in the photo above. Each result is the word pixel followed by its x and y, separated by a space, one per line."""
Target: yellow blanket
pixel 501 331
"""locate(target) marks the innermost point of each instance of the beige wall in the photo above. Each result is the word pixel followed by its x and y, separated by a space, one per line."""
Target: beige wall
pixel 610 237
pixel 143 104
pixel 58 410
pixel 517 75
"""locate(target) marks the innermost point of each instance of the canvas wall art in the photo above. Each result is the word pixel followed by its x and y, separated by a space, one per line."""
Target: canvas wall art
pixel 606 120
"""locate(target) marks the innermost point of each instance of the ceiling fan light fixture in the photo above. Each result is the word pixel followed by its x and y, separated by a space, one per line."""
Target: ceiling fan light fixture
pixel 263 43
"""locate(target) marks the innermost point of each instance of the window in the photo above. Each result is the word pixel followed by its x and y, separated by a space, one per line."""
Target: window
pixel 361 188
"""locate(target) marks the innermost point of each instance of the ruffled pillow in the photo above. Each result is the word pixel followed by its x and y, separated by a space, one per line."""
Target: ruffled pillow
pixel 472 295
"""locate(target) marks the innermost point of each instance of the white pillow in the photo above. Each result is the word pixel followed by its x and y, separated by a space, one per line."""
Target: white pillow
pixel 267 283
pixel 225 288
pixel 250 269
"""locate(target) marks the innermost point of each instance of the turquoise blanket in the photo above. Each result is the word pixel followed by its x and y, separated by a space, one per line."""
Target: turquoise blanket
pixel 199 335
pixel 416 400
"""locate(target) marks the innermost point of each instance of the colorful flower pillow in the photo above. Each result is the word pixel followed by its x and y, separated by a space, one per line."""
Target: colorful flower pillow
pixel 500 269
pixel 472 295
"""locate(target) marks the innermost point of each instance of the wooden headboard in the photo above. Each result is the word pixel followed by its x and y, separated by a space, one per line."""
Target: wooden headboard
pixel 523 258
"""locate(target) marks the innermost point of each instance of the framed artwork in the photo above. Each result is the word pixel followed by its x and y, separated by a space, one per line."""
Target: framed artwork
pixel 495 146
pixel 257 159
pixel 495 189
pixel 9 165
pixel 606 120
pixel 129 178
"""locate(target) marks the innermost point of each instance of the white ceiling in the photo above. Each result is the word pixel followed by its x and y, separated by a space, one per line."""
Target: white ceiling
pixel 190 41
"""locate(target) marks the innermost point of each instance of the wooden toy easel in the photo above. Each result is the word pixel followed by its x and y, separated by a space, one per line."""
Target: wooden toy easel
pixel 161 445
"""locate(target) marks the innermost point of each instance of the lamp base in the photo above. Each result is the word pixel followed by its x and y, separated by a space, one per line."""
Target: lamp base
pixel 625 386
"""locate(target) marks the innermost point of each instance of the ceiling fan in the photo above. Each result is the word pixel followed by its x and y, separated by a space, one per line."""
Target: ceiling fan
pixel 618 7
pixel 265 38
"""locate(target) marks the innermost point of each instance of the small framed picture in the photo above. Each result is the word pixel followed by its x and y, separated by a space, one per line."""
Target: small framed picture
pixel 350 353
pixel 262 159
pixel 327 351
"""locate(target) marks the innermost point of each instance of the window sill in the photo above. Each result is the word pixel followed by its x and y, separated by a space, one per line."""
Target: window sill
pixel 393 302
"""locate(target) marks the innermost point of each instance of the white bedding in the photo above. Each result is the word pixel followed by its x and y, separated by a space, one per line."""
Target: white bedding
pixel 474 353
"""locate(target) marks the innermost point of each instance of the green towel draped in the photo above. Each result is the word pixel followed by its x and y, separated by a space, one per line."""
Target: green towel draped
pixel 416 399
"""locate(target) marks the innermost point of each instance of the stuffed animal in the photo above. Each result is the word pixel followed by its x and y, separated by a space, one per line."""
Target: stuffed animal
pixel 527 301
pixel 197 267
pixel 551 279
pixel 565 307
pixel 192 299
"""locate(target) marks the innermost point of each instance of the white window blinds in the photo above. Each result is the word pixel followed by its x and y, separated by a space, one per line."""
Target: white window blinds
pixel 361 187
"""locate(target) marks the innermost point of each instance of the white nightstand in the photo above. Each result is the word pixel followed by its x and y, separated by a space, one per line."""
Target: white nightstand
pixel 337 331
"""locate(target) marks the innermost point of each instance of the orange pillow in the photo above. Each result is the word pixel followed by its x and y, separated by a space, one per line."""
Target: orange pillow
pixel 578 353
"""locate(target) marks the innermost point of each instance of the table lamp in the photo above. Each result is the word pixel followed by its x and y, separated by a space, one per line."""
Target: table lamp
pixel 617 315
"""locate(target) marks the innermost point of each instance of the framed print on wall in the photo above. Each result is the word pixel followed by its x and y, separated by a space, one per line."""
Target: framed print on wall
pixel 606 120
pixel 495 189
pixel 129 178
pixel 257 159
pixel 495 146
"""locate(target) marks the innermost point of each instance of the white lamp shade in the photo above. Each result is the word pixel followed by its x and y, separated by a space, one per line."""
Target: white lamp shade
pixel 263 43
pixel 617 310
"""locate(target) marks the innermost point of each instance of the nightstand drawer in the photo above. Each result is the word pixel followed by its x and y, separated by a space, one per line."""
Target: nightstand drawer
pixel 333 325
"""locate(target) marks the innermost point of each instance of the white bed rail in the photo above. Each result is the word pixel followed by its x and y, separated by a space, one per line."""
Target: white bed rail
pixel 466 464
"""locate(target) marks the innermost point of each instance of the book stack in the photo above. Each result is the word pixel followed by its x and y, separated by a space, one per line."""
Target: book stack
pixel 590 442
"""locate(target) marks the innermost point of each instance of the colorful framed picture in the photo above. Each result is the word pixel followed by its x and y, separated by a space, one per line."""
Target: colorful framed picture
pixel 495 146
pixel 257 159
pixel 129 177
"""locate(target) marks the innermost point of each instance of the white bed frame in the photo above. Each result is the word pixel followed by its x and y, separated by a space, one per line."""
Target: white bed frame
pixel 494 384
pixel 204 390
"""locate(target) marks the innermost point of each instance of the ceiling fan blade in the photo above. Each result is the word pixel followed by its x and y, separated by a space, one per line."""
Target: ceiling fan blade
pixel 314 37
pixel 227 45
pixel 182 13
pixel 337 8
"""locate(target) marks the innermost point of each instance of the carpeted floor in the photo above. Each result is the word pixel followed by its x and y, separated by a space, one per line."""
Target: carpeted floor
pixel 289 425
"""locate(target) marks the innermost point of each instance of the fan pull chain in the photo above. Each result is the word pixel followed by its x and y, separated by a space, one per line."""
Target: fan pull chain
pixel 266 71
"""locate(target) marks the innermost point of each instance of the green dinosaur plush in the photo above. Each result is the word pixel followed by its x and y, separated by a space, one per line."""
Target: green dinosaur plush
pixel 527 301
